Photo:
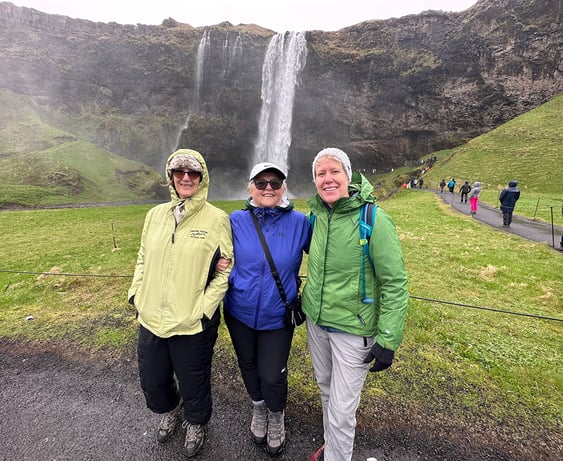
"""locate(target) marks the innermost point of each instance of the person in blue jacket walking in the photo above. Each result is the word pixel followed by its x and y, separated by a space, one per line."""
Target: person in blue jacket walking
pixel 253 308
pixel 508 198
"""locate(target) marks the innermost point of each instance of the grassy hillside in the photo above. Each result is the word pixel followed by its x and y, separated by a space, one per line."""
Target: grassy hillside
pixel 43 165
pixel 461 366
pixel 529 149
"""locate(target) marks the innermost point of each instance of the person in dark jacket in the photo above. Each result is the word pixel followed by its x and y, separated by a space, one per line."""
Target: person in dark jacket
pixel 254 311
pixel 355 297
pixel 442 185
pixel 508 198
pixel 464 190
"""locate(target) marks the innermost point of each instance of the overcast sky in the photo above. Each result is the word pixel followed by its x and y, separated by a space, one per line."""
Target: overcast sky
pixel 280 15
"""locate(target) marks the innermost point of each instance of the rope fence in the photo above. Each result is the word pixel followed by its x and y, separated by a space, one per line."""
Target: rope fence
pixel 431 300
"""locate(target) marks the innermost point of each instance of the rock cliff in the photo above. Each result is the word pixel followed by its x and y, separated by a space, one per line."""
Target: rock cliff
pixel 386 91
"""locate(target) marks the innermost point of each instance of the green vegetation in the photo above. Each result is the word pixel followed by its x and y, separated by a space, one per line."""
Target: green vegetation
pixel 41 165
pixel 528 149
pixel 455 361
pixel 70 269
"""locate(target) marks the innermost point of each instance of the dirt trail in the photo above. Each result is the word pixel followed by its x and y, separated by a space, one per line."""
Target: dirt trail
pixel 58 403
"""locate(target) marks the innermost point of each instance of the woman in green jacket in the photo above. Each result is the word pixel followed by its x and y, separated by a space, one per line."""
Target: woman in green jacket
pixel 176 291
pixel 355 302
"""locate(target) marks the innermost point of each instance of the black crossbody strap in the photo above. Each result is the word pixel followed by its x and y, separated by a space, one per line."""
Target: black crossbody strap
pixel 269 258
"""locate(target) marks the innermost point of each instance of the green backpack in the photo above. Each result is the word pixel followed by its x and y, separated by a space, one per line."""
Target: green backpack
pixel 367 218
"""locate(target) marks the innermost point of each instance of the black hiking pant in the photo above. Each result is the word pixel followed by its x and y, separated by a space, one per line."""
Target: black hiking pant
pixel 262 357
pixel 179 366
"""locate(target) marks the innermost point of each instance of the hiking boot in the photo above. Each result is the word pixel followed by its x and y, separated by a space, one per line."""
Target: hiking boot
pixel 168 423
pixel 276 432
pixel 259 424
pixel 195 438
pixel 319 455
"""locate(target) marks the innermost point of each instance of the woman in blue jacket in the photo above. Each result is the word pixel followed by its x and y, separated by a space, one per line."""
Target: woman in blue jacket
pixel 254 310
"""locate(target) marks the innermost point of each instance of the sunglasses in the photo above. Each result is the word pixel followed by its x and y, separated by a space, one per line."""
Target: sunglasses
pixel 261 184
pixel 179 174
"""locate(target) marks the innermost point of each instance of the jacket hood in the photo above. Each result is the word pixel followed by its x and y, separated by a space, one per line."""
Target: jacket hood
pixel 476 184
pixel 512 183
pixel 202 190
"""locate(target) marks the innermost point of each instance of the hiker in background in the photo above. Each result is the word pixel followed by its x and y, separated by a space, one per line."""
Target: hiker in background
pixel 451 185
pixel 442 185
pixel 177 290
pixel 345 331
pixel 254 309
pixel 508 198
pixel 420 183
pixel 474 197
pixel 464 190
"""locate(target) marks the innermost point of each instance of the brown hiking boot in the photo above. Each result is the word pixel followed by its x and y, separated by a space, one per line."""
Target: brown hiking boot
pixel 168 423
pixel 195 438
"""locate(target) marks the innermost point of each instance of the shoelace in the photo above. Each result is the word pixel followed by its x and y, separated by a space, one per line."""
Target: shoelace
pixel 261 414
pixel 168 421
pixel 275 425
pixel 192 430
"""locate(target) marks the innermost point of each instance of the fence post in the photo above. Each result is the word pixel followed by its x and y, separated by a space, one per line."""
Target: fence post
pixel 552 228
pixel 536 210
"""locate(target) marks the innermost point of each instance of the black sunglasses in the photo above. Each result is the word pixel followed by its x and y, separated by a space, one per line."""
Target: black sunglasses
pixel 179 174
pixel 261 184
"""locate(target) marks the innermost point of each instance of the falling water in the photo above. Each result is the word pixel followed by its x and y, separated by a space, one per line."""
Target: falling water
pixel 202 52
pixel 285 57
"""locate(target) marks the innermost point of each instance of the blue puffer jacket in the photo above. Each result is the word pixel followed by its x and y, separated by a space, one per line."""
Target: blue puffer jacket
pixel 253 297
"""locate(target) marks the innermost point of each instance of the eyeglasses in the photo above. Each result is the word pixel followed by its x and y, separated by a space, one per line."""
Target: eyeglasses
pixel 261 184
pixel 179 174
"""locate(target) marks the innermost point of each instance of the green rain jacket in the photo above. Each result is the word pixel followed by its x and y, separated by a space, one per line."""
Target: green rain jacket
pixel 170 286
pixel 333 294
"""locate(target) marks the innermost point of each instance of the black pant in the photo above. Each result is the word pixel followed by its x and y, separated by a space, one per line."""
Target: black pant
pixel 262 357
pixel 464 197
pixel 178 366
pixel 506 215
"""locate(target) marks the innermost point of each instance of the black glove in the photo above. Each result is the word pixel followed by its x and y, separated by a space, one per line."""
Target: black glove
pixel 383 357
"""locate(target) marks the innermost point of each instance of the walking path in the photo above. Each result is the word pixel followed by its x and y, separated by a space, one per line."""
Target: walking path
pixel 521 226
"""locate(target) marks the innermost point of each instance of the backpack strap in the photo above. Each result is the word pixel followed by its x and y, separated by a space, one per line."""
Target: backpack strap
pixel 367 218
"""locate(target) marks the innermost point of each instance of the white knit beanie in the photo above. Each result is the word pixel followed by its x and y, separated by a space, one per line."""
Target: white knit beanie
pixel 339 155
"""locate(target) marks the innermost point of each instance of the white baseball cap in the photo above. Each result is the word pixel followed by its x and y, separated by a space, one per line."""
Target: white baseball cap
pixel 266 166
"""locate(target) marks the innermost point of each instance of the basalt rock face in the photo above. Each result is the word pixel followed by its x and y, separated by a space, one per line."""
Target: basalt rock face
pixel 384 91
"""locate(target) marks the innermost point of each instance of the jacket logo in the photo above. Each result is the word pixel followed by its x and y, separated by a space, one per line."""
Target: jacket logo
pixel 198 234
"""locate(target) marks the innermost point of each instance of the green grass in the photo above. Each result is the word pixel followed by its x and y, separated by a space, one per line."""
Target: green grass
pixel 455 362
pixel 528 149
pixel 41 165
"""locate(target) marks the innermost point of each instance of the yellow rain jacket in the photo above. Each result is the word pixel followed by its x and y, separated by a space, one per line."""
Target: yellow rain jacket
pixel 175 288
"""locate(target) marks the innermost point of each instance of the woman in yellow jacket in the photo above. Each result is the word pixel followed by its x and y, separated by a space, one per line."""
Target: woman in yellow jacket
pixel 176 291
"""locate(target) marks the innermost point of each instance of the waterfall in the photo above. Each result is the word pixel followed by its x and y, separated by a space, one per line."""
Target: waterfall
pixel 202 51
pixel 285 57
pixel 232 53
